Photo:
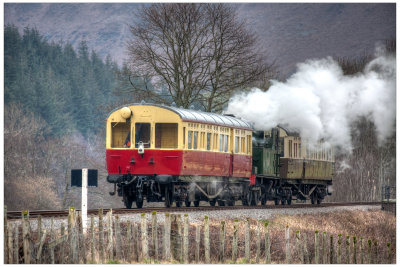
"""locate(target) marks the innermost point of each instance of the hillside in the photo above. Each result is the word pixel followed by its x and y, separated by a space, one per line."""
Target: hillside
pixel 290 33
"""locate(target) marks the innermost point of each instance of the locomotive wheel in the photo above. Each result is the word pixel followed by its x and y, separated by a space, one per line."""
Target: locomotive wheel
pixel 283 201
pixel 231 203
pixel 178 203
pixel 187 203
pixel 139 203
pixel 276 201
pixel 167 198
pixel 212 202
pixel 319 200
pixel 196 203
pixel 289 201
pixel 254 198
pixel 221 203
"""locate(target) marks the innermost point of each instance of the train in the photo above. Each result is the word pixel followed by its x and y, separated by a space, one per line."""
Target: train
pixel 182 156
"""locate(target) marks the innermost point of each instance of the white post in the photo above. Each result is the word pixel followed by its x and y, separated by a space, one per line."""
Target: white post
pixel 84 198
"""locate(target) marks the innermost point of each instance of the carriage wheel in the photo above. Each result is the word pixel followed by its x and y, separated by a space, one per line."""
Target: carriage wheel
pixel 128 202
pixel 167 197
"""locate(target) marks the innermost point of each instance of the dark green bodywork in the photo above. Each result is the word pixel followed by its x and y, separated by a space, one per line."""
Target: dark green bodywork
pixel 268 160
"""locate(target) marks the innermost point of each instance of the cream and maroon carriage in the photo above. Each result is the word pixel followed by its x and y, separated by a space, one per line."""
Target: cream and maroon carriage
pixel 170 154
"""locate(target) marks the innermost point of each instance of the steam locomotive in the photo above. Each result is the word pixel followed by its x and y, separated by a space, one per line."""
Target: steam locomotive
pixel 173 155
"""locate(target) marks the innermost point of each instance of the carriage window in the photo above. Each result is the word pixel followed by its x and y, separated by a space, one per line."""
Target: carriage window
pixel 120 134
pixel 226 143
pixel 166 135
pixel 195 140
pixel 208 141
pixel 142 134
pixel 190 139
pixel 236 144
pixel 221 142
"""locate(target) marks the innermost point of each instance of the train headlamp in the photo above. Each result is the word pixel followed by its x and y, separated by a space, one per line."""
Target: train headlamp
pixel 125 112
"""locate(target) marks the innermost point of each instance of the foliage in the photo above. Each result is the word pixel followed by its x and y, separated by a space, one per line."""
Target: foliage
pixel 68 89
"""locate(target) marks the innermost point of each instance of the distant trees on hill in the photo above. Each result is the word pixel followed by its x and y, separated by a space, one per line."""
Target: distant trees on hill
pixel 69 89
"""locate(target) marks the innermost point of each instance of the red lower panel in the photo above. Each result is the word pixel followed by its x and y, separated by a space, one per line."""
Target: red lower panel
pixel 177 162
pixel 152 162
pixel 215 164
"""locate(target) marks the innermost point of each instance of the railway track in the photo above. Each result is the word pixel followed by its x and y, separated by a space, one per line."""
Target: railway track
pixel 63 213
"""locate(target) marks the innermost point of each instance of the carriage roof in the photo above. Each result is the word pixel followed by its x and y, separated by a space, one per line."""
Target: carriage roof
pixel 201 116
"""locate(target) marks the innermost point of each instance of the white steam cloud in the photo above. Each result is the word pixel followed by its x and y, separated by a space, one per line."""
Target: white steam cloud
pixel 321 103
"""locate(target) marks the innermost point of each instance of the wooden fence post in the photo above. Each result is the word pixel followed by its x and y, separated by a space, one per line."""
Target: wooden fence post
pixel 143 230
pixel 154 234
pixel 206 240
pixel 101 237
pixel 41 243
pixel 5 232
pixel 307 259
pixel 339 249
pixel 287 244
pixel 129 241
pixel 62 248
pixel 324 248
pixel 110 245
pixel 316 247
pixel 354 250
pixel 347 249
pixel 235 240
pixel 167 237
pixel 258 243
pixel 10 245
pixel 331 250
pixel 16 246
pixel 186 239
pixel 369 252
pixel 361 251
pixel 299 247
pixel 175 237
pixel 376 256
pixel 135 242
pixel 92 243
pixel 26 237
pixel 82 238
pixel 117 227
pixel 389 253
pixel 39 227
pixel 197 251
pixel 267 243
pixel 222 242
pixel 247 241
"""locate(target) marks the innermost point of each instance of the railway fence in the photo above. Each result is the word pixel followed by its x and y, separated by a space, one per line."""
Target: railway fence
pixel 177 240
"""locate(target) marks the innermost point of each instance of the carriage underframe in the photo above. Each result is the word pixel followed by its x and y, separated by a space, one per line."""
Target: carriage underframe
pixel 224 191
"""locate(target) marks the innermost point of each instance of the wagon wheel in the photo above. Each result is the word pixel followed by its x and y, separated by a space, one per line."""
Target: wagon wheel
pixel 139 203
pixel 212 202
pixel 128 202
pixel 167 197
pixel 221 203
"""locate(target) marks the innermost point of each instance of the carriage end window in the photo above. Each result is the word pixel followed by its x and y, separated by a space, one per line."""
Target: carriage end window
pixel 120 134
pixel 166 135
pixel 142 134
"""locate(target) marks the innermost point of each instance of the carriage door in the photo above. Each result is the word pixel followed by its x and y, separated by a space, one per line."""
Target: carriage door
pixel 232 140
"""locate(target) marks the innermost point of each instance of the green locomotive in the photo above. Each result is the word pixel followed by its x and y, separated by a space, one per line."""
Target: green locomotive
pixel 286 168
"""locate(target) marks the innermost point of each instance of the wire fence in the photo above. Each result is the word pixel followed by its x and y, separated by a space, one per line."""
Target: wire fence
pixel 177 240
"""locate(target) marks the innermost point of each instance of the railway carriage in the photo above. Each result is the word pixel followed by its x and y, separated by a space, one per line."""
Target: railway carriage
pixel 171 154
pixel 174 155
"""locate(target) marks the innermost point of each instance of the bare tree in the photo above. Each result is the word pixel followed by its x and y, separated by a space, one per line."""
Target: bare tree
pixel 201 53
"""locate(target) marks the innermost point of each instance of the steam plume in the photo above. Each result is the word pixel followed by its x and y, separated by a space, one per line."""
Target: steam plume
pixel 321 103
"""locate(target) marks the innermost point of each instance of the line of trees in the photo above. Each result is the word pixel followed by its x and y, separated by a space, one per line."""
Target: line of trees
pixel 69 90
